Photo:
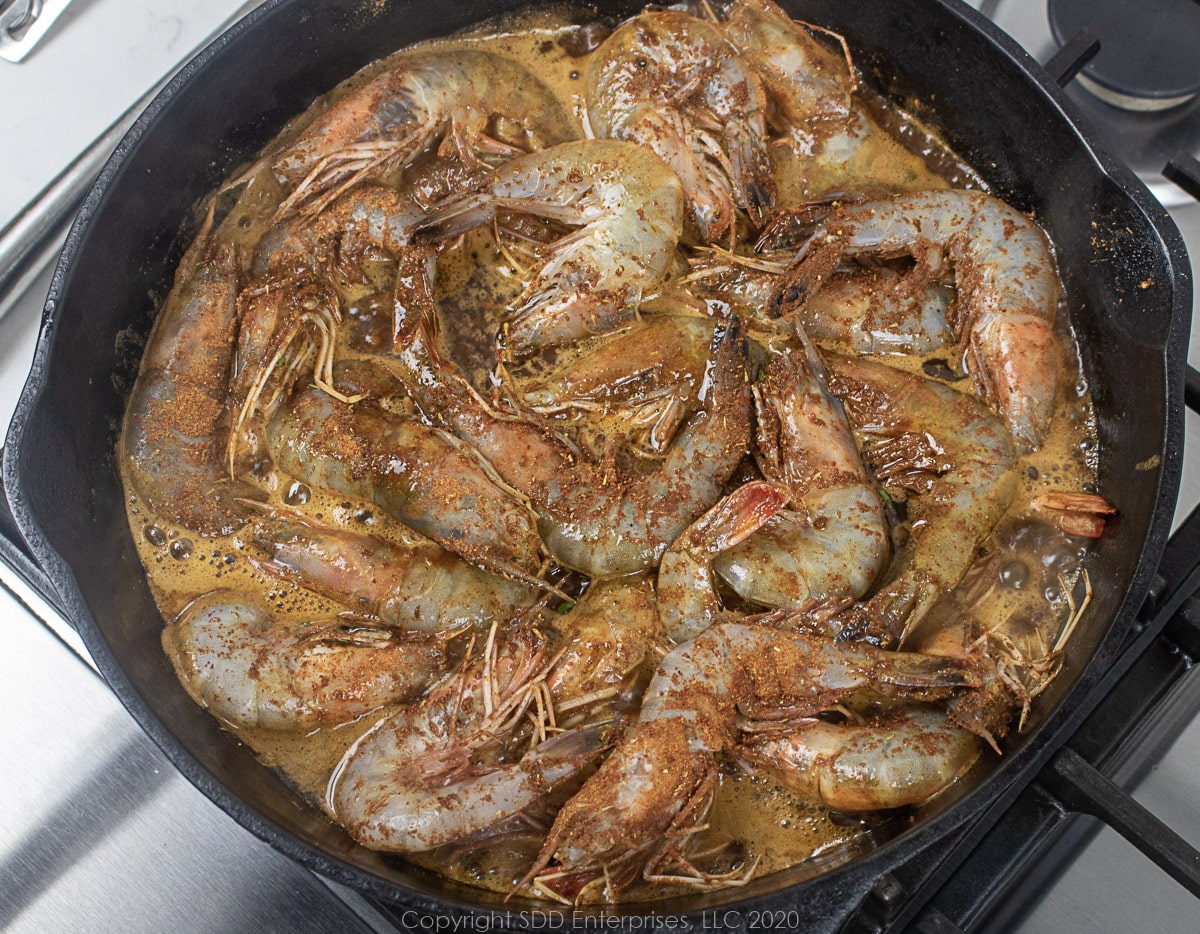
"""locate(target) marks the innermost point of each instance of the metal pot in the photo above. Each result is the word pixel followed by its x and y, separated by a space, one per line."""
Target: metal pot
pixel 1128 293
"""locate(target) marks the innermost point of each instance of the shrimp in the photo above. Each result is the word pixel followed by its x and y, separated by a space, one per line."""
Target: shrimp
pixel 833 542
pixel 876 311
pixel 659 350
pixel 413 583
pixel 171 440
pixel 414 781
pixel 668 81
pixel 482 106
pixel 1005 277
pixel 593 518
pixel 1018 653
pixel 627 209
pixel 808 86
pixel 688 602
pixel 824 138
pixel 251 671
pixel 608 638
pixel 872 309
pixel 890 760
pixel 290 312
pixel 925 437
pixel 646 378
pixel 627 812
pixel 420 475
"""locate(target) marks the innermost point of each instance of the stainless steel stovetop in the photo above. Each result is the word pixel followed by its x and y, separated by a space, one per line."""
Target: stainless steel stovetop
pixel 98 831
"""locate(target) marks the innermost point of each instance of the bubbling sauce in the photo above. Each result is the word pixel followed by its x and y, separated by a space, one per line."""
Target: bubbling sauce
pixel 1017 582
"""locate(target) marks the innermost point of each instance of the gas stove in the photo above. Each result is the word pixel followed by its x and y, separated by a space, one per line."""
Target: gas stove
pixel 99 832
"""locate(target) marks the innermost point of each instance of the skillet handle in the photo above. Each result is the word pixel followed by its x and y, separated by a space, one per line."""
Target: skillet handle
pixel 1083 788
pixel 16 554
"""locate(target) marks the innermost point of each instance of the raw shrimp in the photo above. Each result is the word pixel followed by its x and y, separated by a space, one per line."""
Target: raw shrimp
pixel 1005 277
pixel 481 106
pixel 627 209
pixel 592 518
pixel 1018 653
pixel 413 782
pixel 172 438
pixel 825 138
pixel 924 437
pixel 420 475
pixel 290 312
pixel 644 379
pixel 414 583
pixel 892 759
pixel 668 81
pixel 688 602
pixel 833 541
pixel 629 810
pixel 608 639
pixel 808 86
pixel 876 311
pixel 252 671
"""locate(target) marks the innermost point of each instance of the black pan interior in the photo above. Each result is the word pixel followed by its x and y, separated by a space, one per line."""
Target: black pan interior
pixel 1128 293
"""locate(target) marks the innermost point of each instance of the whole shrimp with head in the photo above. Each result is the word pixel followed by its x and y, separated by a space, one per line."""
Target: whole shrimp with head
pixel 922 437
pixel 482 107
pixel 627 213
pixel 889 759
pixel 823 137
pixel 834 541
pixel 423 776
pixel 1005 277
pixel 417 474
pixel 809 86
pixel 814 536
pixel 250 669
pixel 405 580
pixel 669 81
pixel 173 433
pixel 290 312
pixel 630 816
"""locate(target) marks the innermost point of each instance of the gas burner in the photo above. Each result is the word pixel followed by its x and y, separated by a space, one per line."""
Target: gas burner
pixel 1148 57
pixel 1128 67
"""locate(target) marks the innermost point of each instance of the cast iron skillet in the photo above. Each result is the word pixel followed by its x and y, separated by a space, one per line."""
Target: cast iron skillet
pixel 1128 292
